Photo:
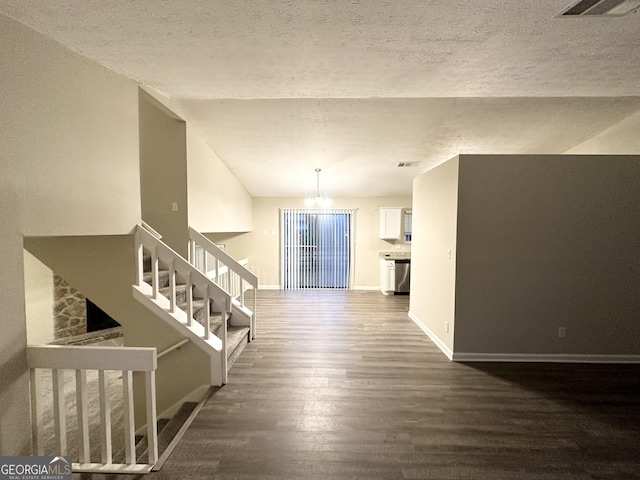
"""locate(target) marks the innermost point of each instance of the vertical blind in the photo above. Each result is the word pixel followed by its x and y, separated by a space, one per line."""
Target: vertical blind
pixel 316 248
pixel 408 226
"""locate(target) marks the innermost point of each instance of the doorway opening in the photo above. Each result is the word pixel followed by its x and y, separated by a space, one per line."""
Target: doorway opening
pixel 316 248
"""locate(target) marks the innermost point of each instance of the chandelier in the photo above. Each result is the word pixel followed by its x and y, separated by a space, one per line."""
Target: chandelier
pixel 317 199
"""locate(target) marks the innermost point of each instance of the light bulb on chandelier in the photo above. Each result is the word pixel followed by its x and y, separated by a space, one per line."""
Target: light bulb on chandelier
pixel 317 199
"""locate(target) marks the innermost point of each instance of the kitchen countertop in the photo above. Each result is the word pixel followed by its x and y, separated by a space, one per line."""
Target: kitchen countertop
pixel 395 255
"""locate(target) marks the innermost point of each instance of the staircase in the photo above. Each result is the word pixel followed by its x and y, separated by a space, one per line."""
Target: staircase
pixel 194 304
pixel 237 336
pixel 229 274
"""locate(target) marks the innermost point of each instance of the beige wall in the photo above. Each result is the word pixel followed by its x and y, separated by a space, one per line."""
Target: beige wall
pixel 38 290
pixel 69 138
pixel 547 242
pixel 433 273
pixel 14 375
pixel 163 172
pixel 262 245
pixel 69 164
pixel 622 138
pixel 102 268
pixel 217 201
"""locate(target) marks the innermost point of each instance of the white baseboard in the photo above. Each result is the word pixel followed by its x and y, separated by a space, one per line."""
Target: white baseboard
pixel 278 287
pixel 544 358
pixel 522 357
pixel 434 338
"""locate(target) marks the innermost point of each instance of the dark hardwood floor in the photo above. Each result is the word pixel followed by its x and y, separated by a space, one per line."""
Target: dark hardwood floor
pixel 343 385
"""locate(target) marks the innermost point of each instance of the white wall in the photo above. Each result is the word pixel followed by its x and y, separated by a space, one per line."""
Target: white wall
pixel 217 201
pixel 38 287
pixel 68 139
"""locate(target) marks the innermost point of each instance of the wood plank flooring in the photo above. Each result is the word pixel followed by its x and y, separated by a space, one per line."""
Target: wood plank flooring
pixel 343 385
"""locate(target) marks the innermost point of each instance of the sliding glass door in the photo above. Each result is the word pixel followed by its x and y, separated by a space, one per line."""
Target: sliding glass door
pixel 316 248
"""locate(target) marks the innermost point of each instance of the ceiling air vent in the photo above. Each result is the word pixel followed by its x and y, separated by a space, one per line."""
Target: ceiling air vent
pixel 601 8
pixel 408 164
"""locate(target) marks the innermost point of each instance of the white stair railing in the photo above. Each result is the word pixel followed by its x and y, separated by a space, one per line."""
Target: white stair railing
pixel 197 286
pixel 106 361
pixel 227 272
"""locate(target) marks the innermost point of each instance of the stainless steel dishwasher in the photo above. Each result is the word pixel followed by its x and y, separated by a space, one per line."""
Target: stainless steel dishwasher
pixel 403 276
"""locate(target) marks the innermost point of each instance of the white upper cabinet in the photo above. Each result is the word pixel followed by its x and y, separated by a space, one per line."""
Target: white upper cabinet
pixel 391 225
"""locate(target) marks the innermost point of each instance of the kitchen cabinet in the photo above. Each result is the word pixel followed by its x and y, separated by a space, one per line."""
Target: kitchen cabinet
pixel 391 224
pixel 387 276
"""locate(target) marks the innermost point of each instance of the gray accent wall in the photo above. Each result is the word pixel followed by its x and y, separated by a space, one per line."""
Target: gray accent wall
pixel 543 242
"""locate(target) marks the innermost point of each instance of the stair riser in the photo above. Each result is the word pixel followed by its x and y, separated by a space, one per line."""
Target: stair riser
pixel 234 353
pixel 163 278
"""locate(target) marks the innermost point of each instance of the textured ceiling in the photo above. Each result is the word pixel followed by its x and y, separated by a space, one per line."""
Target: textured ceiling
pixel 279 87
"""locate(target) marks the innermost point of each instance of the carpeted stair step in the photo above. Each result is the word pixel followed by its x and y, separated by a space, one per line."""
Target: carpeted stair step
pixel 237 339
pixel 237 336
pixel 181 293
pixel 163 278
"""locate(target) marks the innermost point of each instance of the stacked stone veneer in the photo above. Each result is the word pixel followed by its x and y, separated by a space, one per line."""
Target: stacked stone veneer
pixel 69 310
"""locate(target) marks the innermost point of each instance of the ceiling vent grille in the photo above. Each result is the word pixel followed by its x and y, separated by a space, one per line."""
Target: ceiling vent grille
pixel 601 8
pixel 408 164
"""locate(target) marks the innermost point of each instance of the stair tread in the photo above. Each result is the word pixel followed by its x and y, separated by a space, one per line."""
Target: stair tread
pixel 237 338
pixel 148 276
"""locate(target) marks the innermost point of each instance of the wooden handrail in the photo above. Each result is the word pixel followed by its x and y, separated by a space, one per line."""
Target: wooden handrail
pixel 140 359
pixel 173 347
pixel 181 265
pixel 151 230
pixel 223 257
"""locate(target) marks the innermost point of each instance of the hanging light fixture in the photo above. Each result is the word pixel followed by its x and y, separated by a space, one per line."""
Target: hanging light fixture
pixel 317 199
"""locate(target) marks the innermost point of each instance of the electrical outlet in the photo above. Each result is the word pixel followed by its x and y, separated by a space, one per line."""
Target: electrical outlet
pixel 174 206
pixel 446 327
pixel 562 332
pixel 449 254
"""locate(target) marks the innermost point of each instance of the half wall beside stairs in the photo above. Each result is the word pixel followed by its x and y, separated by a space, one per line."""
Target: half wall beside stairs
pixel 101 267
